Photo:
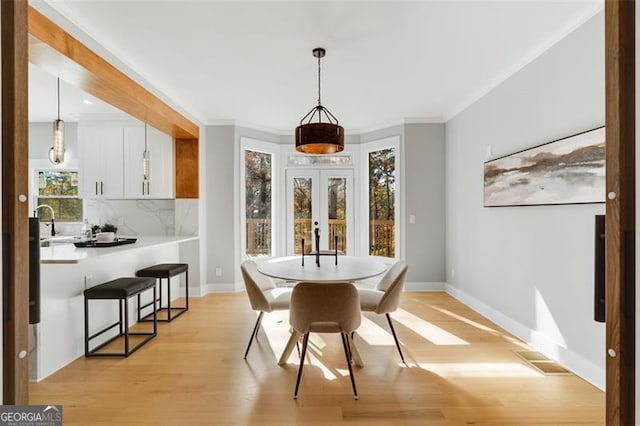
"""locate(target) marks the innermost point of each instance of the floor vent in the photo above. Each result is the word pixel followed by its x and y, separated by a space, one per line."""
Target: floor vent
pixel 542 363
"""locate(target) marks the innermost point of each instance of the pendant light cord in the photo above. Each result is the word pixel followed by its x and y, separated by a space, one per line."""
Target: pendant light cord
pixel 58 98
pixel 319 103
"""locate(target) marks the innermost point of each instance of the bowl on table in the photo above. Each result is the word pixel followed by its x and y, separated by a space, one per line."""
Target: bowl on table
pixel 105 237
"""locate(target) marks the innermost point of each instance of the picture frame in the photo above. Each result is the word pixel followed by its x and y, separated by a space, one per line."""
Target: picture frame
pixel 570 170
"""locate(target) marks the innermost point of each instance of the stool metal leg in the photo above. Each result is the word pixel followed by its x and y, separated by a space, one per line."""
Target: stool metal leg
pixel 169 317
pixel 126 326
pixel 186 288
pixel 120 316
pixel 86 326
pixel 155 314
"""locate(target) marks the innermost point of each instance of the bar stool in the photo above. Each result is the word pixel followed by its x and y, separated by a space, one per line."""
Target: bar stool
pixel 120 289
pixel 160 272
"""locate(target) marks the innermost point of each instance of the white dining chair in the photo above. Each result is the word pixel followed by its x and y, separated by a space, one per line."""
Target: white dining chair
pixel 263 294
pixel 385 297
pixel 325 308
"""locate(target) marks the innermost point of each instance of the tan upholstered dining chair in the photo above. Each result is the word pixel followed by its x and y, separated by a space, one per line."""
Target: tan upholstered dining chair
pixel 325 308
pixel 385 297
pixel 263 294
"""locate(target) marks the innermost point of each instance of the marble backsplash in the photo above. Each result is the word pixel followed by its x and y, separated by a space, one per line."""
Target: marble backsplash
pixel 133 217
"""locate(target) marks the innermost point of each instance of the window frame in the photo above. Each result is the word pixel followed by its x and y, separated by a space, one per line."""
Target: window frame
pixel 37 166
pixel 272 149
pixel 365 148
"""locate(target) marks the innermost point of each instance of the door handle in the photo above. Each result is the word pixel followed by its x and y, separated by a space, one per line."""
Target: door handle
pixel 96 187
pixel 101 188
pixel 143 188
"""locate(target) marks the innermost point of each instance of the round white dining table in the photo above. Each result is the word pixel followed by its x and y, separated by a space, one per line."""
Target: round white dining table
pixel 349 268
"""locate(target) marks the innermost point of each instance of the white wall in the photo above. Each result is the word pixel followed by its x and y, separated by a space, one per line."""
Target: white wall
pixel 530 269
pixel 41 139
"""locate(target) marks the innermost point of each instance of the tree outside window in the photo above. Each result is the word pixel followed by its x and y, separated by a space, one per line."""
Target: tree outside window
pixel 258 202
pixel 382 179
pixel 59 189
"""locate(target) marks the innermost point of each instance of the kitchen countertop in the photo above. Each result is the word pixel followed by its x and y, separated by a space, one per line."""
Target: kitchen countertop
pixel 68 253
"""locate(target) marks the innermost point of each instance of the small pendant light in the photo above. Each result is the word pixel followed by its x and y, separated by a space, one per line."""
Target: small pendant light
pixel 56 152
pixel 145 157
pixel 320 137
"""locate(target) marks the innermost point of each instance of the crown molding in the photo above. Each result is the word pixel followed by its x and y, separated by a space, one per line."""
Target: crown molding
pixel 348 132
pixel 526 60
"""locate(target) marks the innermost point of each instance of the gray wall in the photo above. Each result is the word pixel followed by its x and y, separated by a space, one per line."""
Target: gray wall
pixel 219 193
pixel 530 268
pixel 424 150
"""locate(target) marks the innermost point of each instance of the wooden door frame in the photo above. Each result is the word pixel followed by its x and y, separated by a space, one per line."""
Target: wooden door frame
pixel 15 231
pixel 620 211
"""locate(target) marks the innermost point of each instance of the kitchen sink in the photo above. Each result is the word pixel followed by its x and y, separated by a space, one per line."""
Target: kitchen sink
pixel 61 239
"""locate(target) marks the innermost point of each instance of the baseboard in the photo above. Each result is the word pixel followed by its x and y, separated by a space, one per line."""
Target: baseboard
pixel 567 358
pixel 221 288
pixel 424 286
pixel 193 292
pixel 236 287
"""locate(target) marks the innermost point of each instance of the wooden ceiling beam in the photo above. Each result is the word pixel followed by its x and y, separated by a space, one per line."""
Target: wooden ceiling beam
pixel 56 51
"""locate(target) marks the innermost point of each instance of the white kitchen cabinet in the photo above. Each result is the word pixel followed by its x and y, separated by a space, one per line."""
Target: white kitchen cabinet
pixel 161 170
pixel 101 161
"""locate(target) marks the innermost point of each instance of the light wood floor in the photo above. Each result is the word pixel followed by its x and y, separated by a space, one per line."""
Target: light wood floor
pixel 461 370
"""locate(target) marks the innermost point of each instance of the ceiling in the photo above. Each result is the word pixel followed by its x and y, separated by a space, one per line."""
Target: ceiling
pixel 387 61
pixel 74 103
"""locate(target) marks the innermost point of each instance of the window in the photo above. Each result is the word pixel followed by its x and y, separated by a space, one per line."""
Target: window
pixel 342 159
pixel 59 190
pixel 258 202
pixel 382 202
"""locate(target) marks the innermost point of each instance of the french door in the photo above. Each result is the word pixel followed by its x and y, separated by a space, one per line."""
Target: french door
pixel 321 198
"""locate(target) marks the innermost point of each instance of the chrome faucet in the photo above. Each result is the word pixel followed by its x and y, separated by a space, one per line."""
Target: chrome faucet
pixel 53 225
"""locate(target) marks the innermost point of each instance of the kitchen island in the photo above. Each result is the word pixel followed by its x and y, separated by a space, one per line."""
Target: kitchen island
pixel 65 272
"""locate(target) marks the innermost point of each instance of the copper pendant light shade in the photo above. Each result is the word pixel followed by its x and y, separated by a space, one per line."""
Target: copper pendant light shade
pixel 319 137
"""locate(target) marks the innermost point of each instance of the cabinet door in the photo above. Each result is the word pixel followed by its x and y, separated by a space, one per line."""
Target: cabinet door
pixel 134 185
pixel 160 147
pixel 101 161
pixel 90 165
pixel 160 152
pixel 113 158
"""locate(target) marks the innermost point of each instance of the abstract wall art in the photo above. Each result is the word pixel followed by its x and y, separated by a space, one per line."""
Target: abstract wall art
pixel 565 171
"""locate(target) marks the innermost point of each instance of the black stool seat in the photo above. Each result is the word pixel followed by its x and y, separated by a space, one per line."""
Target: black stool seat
pixel 163 270
pixel 120 288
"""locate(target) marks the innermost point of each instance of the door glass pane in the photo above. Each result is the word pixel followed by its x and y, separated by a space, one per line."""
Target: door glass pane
pixel 302 214
pixel 258 202
pixel 337 213
pixel 382 178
